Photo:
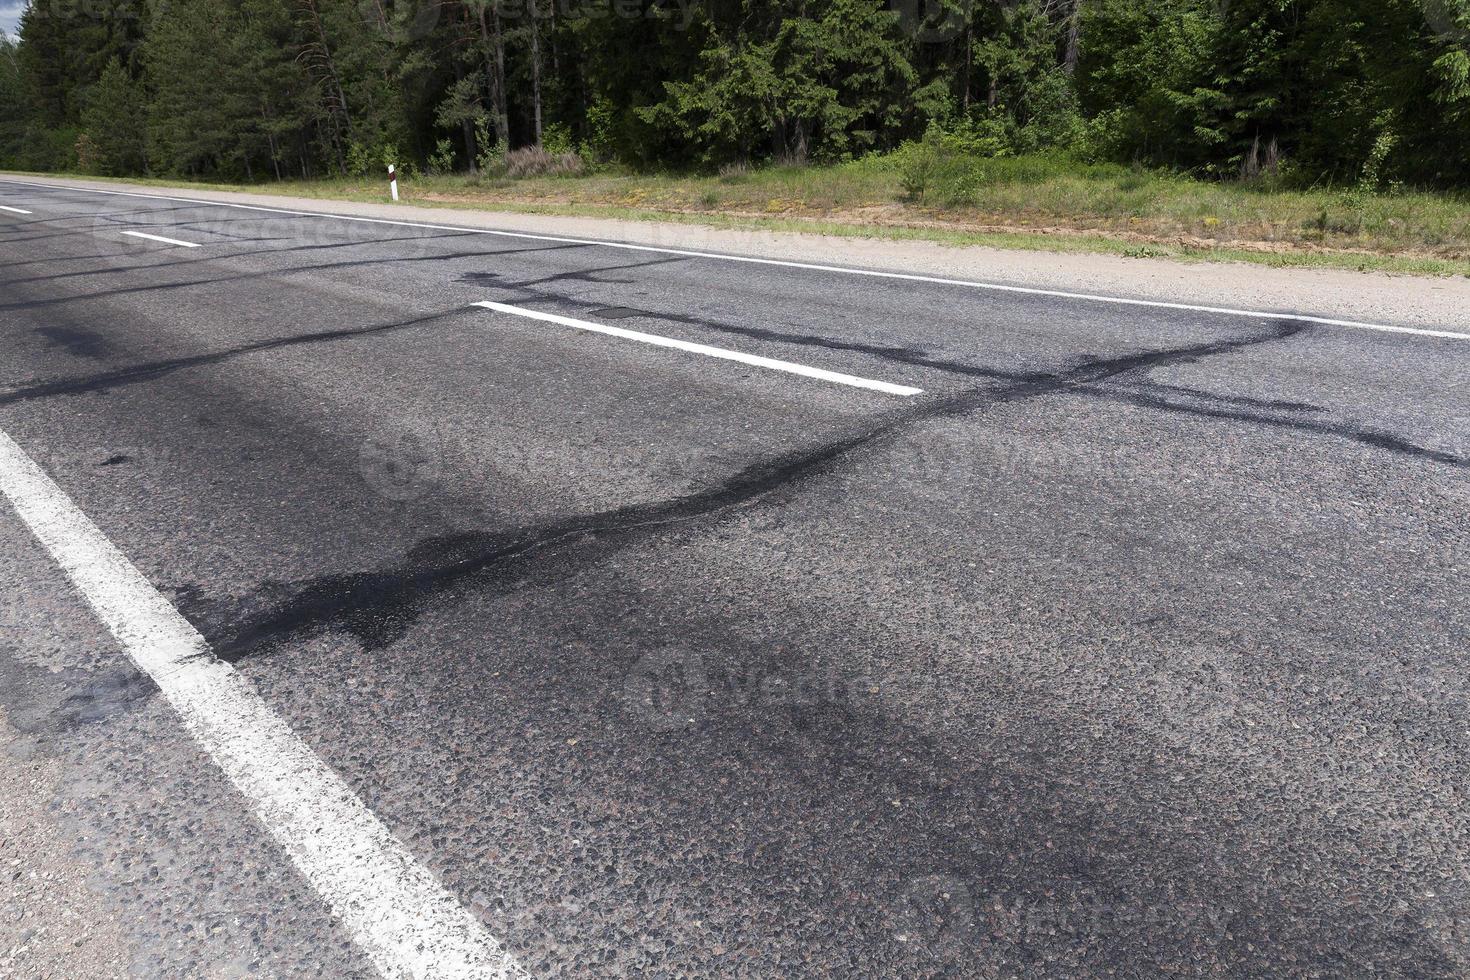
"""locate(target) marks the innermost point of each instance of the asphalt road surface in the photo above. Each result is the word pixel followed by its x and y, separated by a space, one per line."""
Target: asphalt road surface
pixel 681 616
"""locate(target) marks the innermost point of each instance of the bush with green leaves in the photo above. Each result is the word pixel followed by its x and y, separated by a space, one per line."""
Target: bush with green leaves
pixel 441 161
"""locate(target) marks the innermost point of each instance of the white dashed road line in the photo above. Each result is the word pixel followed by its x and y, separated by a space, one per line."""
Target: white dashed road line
pixel 394 909
pixel 160 238
pixel 727 355
pixel 13 210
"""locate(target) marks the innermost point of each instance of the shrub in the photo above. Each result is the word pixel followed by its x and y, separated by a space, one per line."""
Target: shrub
pixel 934 164
pixel 534 161
pixel 366 160
pixel 491 156
pixel 441 161
pixel 1374 167
pixel 917 165
pixel 988 136
pixel 556 139
pixel 359 159
pixel 602 127
pixel 1107 136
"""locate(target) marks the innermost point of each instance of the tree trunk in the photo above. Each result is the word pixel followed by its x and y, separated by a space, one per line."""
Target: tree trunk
pixel 969 57
pixel 495 41
pixel 534 7
pixel 1074 36
pixel 502 97
pixel 270 139
pixel 467 128
pixel 555 62
pixel 326 66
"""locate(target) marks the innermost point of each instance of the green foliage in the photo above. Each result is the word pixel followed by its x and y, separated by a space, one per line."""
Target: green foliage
pixel 441 161
pixel 13 92
pixel 1145 80
pixel 1200 86
pixel 822 86
pixel 365 160
pixel 1367 94
pixel 114 123
pixel 990 134
pixel 1373 168
pixel 556 139
pixel 919 167
pixel 491 157
pixel 601 130
pixel 955 169
pixel 226 93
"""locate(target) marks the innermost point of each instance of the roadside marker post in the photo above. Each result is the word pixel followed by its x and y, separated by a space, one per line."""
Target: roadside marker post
pixel 393 182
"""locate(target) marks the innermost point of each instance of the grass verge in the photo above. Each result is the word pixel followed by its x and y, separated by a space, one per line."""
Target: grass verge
pixel 1022 203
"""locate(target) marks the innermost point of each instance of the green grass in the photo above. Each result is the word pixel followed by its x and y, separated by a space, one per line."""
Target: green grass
pixel 1035 202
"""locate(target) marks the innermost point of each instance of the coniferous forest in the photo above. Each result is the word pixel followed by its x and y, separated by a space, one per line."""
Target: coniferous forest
pixel 1309 91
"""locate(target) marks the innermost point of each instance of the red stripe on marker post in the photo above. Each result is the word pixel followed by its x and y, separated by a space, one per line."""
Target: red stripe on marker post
pixel 393 181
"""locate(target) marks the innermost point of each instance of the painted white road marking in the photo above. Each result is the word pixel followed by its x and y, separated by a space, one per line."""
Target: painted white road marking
pixel 395 910
pixel 704 349
pixel 13 210
pixel 783 263
pixel 160 238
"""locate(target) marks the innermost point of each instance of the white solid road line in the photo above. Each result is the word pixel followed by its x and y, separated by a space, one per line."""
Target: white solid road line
pixel 160 238
pixel 783 263
pixel 726 355
pixel 393 908
pixel 13 210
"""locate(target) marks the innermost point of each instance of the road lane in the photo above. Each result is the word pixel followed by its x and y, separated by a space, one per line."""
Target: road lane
pixel 1135 643
pixel 1092 298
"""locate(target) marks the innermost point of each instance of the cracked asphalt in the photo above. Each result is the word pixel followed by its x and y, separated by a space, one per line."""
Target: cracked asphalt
pixel 1135 646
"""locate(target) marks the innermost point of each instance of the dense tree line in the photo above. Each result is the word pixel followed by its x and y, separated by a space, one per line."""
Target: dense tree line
pixel 1320 90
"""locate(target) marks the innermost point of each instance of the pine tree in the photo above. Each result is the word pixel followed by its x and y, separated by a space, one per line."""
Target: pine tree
pixel 114 123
